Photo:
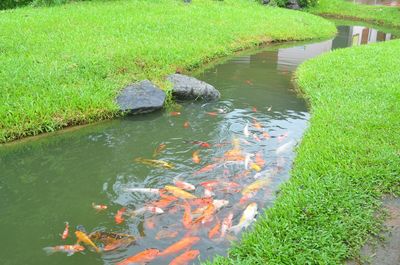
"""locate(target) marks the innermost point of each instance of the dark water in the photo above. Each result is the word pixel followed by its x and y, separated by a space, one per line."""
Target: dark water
pixel 45 182
pixel 377 2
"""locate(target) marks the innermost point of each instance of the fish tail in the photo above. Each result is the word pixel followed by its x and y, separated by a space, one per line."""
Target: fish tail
pixel 49 250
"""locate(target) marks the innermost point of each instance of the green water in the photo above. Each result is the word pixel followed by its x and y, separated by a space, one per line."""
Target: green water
pixel 54 179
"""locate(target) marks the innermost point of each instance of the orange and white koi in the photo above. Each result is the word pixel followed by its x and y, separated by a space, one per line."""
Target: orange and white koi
pixel 206 169
pixel 119 219
pixel 247 218
pixel 215 230
pixel 184 243
pixel 99 207
pixel 66 231
pixel 69 249
pixel 226 224
pixel 174 113
pixel 177 192
pixel 159 149
pixel 184 185
pixel 82 237
pixel 185 258
pixel 141 257
pixel 195 157
pixel 186 124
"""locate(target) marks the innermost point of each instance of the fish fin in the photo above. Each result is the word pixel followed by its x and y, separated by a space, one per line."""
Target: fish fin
pixel 49 250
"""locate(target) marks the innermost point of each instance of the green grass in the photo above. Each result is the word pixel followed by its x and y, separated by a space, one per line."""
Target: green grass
pixel 382 15
pixel 63 65
pixel 348 159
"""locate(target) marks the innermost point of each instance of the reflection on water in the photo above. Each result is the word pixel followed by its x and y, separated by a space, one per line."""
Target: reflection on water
pixel 290 58
pixel 251 133
pixel 377 2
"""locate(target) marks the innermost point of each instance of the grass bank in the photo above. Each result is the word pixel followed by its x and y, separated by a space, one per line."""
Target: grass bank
pixel 382 15
pixel 63 65
pixel 348 158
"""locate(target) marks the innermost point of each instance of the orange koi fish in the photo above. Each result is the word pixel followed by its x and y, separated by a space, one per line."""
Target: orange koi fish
pixel 206 169
pixel 209 184
pixel 212 113
pixel 259 159
pixel 184 185
pixel 159 149
pixel 82 237
pixel 177 192
pixel 185 258
pixel 66 231
pixel 195 157
pixel 257 125
pixel 207 216
pixel 99 207
pixel 174 113
pixel 184 243
pixel 200 201
pixel 119 219
pixel 141 257
pixel 163 203
pixel 69 249
pixel 186 124
pixel 215 230
pixel 200 143
pixel 266 135
pixel 226 224
pixel 187 215
pixel 166 234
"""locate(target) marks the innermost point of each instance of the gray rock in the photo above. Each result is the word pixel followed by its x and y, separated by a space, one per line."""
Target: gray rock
pixel 189 88
pixel 293 4
pixel 141 97
pixel 265 2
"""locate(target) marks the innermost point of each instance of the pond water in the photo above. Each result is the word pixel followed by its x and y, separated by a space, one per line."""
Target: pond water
pixel 377 2
pixel 247 136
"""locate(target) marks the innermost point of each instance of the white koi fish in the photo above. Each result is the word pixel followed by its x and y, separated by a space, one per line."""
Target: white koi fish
pixel 246 219
pixel 284 148
pixel 151 209
pixel 246 130
pixel 247 160
pixel 143 190
pixel 226 224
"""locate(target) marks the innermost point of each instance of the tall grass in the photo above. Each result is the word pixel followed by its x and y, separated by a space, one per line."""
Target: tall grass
pixel 63 65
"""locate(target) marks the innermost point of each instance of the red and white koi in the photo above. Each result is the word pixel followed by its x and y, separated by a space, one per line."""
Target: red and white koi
pixel 99 207
pixel 66 231
pixel 69 249
pixel 226 224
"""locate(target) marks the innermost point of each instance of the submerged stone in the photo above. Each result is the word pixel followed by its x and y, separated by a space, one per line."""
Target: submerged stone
pixel 293 4
pixel 190 88
pixel 142 97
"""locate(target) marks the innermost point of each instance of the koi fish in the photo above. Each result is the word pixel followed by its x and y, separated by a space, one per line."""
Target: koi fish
pixel 163 203
pixel 220 203
pixel 254 109
pixel 246 130
pixel 212 113
pixel 141 257
pixel 206 169
pixel 269 109
pixel 156 163
pixel 117 244
pixel 150 223
pixel 185 258
pixel 266 135
pixel 215 230
pixel 247 218
pixel 200 201
pixel 159 149
pixel 284 148
pixel 118 217
pixel 226 224
pixel 207 216
pixel 255 166
pixel 247 161
pixel 208 193
pixel 259 159
pixel 66 231
pixel 209 184
pixel 195 157
pixel 282 137
pixel 166 234
pixel 186 124
pixel 247 197
pixel 151 209
pixel 109 237
pixel 177 192
pixel 143 190
pixel 256 138
pixel 256 185
pixel 99 207
pixel 184 243
pixel 174 113
pixel 187 215
pixel 69 249
pixel 199 143
pixel 82 237
pixel 184 185
pixel 257 125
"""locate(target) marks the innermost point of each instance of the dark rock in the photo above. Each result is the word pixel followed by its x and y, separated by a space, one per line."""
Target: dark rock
pixel 265 2
pixel 185 87
pixel 141 97
pixel 293 4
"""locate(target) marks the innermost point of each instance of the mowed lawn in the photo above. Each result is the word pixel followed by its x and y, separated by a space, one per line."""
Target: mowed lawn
pixel 348 159
pixel 381 15
pixel 63 65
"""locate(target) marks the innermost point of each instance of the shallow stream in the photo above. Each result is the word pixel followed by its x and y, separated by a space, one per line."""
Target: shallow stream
pixel 248 135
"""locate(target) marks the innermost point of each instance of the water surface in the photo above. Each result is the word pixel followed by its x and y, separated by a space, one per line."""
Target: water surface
pixel 54 179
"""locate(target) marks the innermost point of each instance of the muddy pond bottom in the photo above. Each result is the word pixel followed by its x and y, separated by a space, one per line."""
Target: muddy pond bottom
pixel 181 185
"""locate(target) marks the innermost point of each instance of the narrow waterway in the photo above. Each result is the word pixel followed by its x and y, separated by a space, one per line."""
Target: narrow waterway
pixel 221 148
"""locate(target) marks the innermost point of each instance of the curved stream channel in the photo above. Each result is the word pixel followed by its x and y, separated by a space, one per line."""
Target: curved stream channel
pixel 54 179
